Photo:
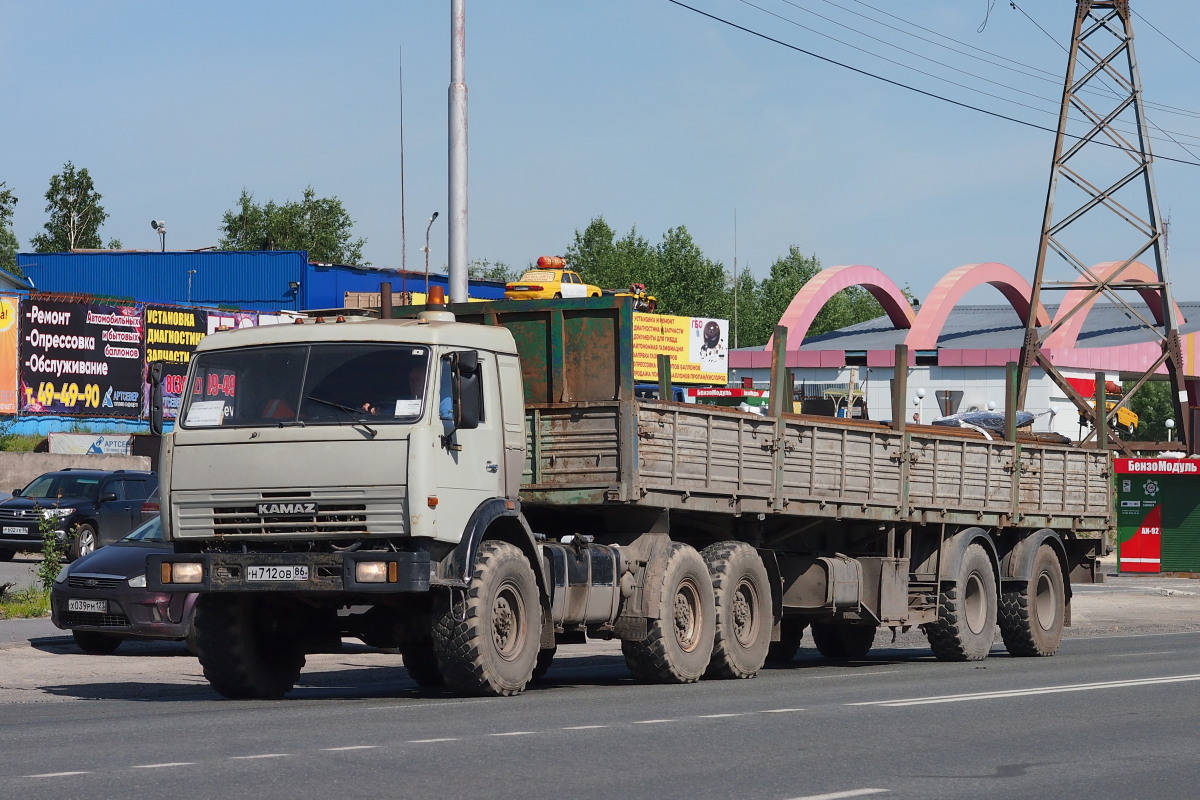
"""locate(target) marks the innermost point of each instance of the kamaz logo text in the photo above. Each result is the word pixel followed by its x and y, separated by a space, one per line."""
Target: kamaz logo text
pixel 286 509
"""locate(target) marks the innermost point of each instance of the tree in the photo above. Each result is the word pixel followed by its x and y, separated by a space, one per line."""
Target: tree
pixel 318 225
pixel 75 214
pixel 484 270
pixel 8 239
pixel 609 263
pixel 1152 403
pixel 687 283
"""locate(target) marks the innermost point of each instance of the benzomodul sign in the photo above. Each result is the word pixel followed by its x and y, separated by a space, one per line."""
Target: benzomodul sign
pixel 1158 514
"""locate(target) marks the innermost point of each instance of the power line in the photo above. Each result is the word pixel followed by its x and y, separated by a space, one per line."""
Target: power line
pixel 897 84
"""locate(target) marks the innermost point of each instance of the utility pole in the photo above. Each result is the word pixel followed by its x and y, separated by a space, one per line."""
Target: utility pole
pixel 1118 187
pixel 457 205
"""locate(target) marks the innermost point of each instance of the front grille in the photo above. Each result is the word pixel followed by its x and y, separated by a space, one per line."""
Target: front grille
pixel 92 582
pixel 245 520
pixel 23 516
pixel 73 618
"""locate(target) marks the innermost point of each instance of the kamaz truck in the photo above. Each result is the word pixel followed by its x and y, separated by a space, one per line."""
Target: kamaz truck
pixel 478 483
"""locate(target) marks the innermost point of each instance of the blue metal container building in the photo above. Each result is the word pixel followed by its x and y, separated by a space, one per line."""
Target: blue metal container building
pixel 267 280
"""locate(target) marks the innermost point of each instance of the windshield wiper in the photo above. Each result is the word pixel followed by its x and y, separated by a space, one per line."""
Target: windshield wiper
pixel 351 412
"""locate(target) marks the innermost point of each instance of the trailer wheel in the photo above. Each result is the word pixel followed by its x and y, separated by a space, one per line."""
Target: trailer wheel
pixel 1032 619
pixel 244 655
pixel 966 622
pixel 486 641
pixel 791 633
pixel 678 644
pixel 842 640
pixel 742 593
pixel 421 663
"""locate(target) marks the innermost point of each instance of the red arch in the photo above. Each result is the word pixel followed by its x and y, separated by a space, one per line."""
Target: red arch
pixel 813 296
pixel 1136 272
pixel 957 282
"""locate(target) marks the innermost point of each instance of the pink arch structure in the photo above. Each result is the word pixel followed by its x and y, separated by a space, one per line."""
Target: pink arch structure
pixel 813 296
pixel 1137 272
pixel 956 283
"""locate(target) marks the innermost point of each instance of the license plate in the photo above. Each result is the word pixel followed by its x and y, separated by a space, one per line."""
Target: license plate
pixel 291 572
pixel 13 530
pixel 88 606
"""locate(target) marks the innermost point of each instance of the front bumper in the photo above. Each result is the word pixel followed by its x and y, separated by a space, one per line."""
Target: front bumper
pixel 326 572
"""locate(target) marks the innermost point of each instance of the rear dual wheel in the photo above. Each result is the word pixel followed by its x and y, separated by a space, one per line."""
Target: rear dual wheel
pixel 967 610
pixel 679 642
pixel 742 595
pixel 1032 618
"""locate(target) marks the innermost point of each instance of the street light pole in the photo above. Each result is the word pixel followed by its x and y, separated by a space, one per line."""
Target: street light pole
pixel 427 227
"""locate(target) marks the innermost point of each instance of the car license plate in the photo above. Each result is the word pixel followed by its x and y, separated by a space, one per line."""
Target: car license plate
pixel 291 572
pixel 88 606
pixel 13 530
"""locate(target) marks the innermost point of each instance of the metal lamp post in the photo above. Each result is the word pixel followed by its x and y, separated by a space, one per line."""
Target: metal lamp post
pixel 426 249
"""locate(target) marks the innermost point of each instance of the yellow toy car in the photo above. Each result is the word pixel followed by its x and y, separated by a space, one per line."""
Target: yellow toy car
pixel 551 279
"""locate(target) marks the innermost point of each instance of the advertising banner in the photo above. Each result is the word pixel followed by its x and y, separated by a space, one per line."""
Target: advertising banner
pixel 172 333
pixel 110 444
pixel 80 359
pixel 698 348
pixel 9 310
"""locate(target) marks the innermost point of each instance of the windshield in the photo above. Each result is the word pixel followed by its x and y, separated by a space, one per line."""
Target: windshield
pixel 323 384
pixel 150 531
pixel 54 486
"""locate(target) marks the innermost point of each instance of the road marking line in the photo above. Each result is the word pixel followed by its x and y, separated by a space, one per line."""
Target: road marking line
pixel 430 741
pixel 779 710
pixel 584 727
pixel 351 747
pixel 162 766
pixel 718 716
pixel 652 721
pixel 56 774
pixel 1078 687
pixel 514 733
pixel 261 755
pixel 840 795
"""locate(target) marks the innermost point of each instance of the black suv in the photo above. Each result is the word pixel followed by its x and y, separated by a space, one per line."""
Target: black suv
pixel 89 507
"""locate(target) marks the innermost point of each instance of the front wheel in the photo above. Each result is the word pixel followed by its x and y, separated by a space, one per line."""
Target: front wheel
pixel 486 641
pixel 679 641
pixel 742 592
pixel 84 541
pixel 95 643
pixel 246 652
pixel 1032 619
pixel 966 622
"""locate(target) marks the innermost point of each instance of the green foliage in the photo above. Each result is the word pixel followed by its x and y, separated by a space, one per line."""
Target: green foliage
pixel 318 225
pixel 32 601
pixel 75 213
pixel 8 239
pixel 484 270
pixel 1152 403
pixel 54 552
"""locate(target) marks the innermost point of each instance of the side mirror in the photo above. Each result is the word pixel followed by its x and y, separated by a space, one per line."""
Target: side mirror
pixel 16 492
pixel 156 398
pixel 108 497
pixel 466 389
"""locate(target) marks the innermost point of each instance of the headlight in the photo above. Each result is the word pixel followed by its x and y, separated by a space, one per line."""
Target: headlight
pixel 54 513
pixel 137 581
pixel 62 575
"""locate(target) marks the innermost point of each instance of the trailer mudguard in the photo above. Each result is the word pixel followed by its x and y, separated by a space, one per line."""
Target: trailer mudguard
pixel 1017 565
pixel 954 547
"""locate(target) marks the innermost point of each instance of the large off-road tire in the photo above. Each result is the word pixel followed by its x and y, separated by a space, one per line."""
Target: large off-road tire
pixel 966 624
pixel 842 640
pixel 242 648
pixel 679 644
pixel 742 594
pixel 791 633
pixel 421 663
pixel 96 643
pixel 487 640
pixel 1032 619
pixel 83 541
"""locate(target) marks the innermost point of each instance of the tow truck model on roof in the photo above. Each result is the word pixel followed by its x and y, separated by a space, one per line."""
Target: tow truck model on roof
pixel 523 496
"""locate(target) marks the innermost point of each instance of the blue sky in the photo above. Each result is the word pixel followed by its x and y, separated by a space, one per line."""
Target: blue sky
pixel 640 111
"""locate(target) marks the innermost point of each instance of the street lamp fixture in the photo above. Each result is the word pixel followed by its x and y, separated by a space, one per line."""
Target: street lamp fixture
pixel 1170 423
pixel 426 249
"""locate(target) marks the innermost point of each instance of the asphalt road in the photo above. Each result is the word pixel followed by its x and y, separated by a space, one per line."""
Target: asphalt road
pixel 1113 715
